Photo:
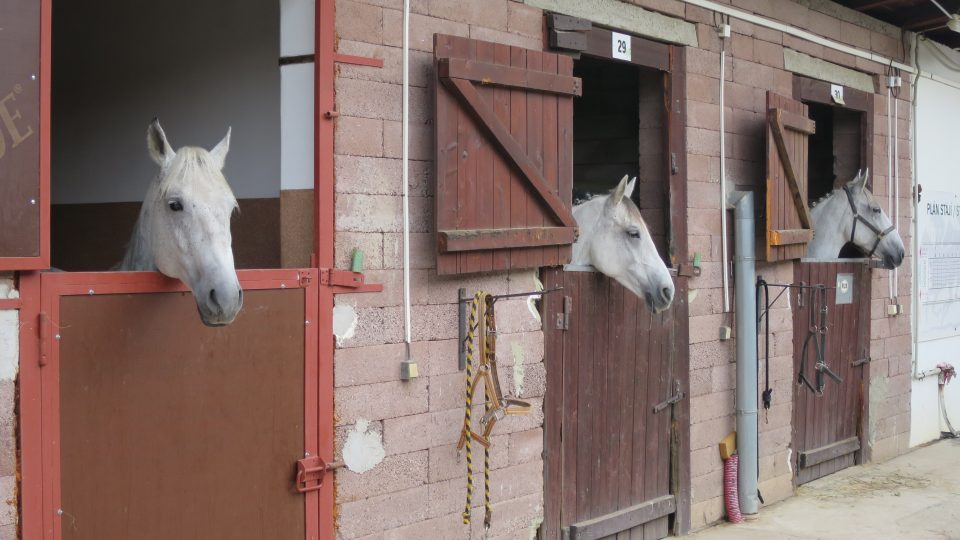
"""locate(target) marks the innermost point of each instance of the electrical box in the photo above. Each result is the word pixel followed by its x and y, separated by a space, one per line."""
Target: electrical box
pixel 844 289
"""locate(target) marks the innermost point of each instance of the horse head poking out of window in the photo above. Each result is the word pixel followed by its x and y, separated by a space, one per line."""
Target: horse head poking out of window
pixel 616 241
pixel 850 214
pixel 184 226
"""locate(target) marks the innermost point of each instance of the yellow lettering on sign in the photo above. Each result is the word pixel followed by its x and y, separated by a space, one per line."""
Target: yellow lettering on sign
pixel 9 121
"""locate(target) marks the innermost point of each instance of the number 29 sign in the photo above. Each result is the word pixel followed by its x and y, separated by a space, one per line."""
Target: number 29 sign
pixel 621 46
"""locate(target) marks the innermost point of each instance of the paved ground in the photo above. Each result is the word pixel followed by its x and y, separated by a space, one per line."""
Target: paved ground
pixel 916 495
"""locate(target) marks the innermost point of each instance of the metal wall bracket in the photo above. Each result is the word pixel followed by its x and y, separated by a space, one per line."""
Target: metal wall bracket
pixel 332 277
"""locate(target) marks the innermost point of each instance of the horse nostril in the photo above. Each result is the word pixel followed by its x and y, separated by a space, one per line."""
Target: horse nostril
pixel 213 299
pixel 667 293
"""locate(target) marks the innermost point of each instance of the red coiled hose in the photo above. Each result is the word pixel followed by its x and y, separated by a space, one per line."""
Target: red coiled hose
pixel 730 498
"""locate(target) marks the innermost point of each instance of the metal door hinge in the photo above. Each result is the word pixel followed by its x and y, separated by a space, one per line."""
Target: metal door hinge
pixel 311 471
pixel 676 397
pixel 860 362
pixel 674 169
pixel 563 318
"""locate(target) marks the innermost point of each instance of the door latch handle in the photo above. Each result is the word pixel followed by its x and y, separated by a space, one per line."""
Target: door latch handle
pixel 676 397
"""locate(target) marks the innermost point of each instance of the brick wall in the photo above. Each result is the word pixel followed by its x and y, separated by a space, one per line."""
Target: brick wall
pixel 418 489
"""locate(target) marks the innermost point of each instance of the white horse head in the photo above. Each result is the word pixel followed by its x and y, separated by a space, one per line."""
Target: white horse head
pixel 184 226
pixel 615 240
pixel 851 214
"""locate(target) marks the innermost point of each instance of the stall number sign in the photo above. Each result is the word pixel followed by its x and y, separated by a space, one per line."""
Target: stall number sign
pixel 836 92
pixel 621 46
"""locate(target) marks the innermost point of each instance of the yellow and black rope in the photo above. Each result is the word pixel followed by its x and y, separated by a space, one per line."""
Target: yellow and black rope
pixel 478 300
pixel 489 349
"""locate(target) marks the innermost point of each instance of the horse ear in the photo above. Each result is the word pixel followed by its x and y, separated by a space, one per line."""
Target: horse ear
pixel 630 185
pixel 859 181
pixel 618 192
pixel 219 152
pixel 160 150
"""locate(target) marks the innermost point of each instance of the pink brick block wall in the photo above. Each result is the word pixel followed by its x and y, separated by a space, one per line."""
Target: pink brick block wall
pixel 418 491
pixel 423 496
pixel 757 65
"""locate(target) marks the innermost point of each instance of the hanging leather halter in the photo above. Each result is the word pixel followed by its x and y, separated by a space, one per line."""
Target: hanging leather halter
pixel 817 335
pixel 858 218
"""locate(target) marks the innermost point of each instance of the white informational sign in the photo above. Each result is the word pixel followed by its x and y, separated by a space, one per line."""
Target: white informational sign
pixel 938 264
pixel 621 46
pixel 836 92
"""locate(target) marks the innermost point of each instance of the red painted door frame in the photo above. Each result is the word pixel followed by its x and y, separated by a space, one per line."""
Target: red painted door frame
pixel 39 476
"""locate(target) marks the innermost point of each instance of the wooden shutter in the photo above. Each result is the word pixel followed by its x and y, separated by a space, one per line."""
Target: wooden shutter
pixel 504 156
pixel 24 85
pixel 788 227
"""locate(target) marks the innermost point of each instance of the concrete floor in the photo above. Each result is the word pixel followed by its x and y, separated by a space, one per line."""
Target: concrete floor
pixel 916 495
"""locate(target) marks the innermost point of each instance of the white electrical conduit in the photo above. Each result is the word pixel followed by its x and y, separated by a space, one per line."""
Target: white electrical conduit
pixel 890 162
pixel 896 187
pixel 405 158
pixel 723 180
pixel 797 32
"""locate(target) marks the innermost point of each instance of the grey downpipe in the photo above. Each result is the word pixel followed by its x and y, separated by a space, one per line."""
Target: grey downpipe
pixel 746 321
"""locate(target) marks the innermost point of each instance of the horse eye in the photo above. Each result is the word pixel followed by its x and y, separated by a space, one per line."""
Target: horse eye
pixel 876 209
pixel 175 205
pixel 633 233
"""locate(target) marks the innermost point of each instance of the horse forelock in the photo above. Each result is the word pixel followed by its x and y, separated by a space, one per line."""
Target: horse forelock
pixel 193 166
pixel 600 200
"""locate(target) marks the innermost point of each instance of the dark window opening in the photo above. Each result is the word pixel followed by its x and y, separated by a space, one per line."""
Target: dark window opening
pixel 619 127
pixel 834 155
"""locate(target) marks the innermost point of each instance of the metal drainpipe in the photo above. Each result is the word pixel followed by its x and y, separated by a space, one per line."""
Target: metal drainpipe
pixel 746 320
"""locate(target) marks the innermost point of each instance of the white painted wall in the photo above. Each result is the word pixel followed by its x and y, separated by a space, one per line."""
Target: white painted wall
pixel 198 65
pixel 296 95
pixel 9 335
pixel 937 324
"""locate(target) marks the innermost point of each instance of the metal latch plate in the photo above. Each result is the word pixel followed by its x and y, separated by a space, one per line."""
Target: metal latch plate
pixel 844 289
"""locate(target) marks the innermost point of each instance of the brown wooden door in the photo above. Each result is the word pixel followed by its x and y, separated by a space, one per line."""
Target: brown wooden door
pixel 828 429
pixel 157 427
pixel 24 113
pixel 504 156
pixel 610 361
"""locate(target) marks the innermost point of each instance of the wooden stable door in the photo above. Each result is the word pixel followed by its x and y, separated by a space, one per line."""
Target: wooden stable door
pixel 613 377
pixel 828 430
pixel 157 427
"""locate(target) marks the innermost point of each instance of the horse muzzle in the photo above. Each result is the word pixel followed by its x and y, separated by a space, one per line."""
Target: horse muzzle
pixel 660 299
pixel 219 306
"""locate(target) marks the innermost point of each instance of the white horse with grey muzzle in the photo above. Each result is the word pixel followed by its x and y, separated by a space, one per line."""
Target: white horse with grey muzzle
pixel 615 240
pixel 851 214
pixel 184 226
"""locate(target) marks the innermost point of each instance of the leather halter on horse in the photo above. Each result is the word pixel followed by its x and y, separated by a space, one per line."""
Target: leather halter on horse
pixel 858 218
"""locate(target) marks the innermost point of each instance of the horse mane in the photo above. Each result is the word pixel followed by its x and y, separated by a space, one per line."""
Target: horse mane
pixel 824 197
